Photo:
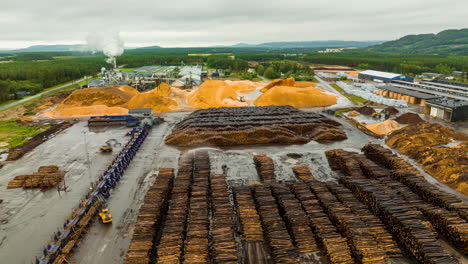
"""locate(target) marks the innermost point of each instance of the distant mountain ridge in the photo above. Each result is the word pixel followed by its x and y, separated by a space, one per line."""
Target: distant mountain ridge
pixel 312 44
pixel 268 45
pixel 450 41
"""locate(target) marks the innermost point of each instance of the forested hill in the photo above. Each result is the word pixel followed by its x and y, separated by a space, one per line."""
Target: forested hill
pixel 454 42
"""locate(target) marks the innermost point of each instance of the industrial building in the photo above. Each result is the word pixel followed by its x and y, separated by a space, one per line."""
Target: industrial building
pixel 447 109
pixel 379 76
pixel 412 97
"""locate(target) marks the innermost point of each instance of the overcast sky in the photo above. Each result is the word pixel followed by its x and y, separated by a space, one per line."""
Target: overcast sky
pixel 211 22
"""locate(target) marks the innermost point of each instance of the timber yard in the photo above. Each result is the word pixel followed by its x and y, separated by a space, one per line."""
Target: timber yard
pixel 167 164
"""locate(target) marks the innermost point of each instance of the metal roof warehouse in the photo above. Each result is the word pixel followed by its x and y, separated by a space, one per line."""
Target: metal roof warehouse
pixel 383 76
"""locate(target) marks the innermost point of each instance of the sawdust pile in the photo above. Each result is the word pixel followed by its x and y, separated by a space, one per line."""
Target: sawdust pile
pixel 409 118
pixel 426 143
pixel 384 128
pixel 253 125
pixel 113 101
pixel 304 84
pixel 279 82
pixel 220 94
pixel 157 99
pixel 294 96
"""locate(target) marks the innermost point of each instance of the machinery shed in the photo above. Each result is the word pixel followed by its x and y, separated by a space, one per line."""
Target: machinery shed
pixel 380 76
pixel 448 109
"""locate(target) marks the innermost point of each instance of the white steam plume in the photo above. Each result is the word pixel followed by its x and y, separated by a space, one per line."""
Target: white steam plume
pixel 109 43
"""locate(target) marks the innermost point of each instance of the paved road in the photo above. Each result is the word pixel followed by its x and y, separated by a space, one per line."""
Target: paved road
pixel 41 94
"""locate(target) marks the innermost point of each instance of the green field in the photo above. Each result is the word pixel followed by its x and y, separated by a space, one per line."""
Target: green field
pixel 352 98
pixel 127 69
pixel 15 133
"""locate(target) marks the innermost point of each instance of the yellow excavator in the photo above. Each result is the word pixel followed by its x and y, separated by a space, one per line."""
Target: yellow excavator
pixel 108 146
pixel 376 115
pixel 105 215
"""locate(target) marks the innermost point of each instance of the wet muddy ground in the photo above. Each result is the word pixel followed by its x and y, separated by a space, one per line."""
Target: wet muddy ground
pixel 29 218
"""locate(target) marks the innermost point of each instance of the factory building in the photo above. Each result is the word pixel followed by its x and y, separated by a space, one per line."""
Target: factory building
pixel 412 97
pixel 378 76
pixel 448 109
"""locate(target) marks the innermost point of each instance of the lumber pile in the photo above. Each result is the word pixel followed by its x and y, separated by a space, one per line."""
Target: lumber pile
pixel 276 233
pixel 224 246
pixel 295 218
pixel 251 227
pixel 265 168
pixel 169 249
pixel 149 218
pixel 45 178
pixel 404 223
pixel 327 236
pixel 253 125
pixel 197 241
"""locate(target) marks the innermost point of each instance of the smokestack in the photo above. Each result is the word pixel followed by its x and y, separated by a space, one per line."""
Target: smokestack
pixel 115 63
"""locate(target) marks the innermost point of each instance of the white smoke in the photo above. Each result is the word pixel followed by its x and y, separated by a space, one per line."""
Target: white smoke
pixel 109 43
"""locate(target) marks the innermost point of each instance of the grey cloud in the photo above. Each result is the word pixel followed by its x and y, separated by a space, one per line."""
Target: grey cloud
pixel 208 22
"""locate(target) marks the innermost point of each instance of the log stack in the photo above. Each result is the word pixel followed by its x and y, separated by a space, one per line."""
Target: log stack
pixel 253 125
pixel 265 168
pixel 224 247
pixel 295 218
pixel 383 239
pixel 169 248
pixel 403 222
pixel 303 173
pixel 330 240
pixel 251 227
pixel 197 242
pixel 276 233
pixel 360 239
pixel 149 218
pixel 46 178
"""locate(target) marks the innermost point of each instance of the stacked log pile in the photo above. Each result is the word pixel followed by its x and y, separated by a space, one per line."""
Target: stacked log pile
pixel 169 248
pixel 253 125
pixel 295 218
pixel 405 173
pixel 224 246
pixel 197 243
pixel 330 240
pixel 303 173
pixel 265 168
pixel 149 218
pixel 46 177
pixel 276 233
pixel 345 161
pixel 403 222
pixel 251 226
pixel 363 246
pixel 383 239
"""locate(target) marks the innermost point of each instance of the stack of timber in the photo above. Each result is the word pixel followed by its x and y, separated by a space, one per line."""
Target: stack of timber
pixel 197 242
pixel 224 246
pixel 170 246
pixel 384 240
pixel 45 178
pixel 265 168
pixel 149 218
pixel 295 218
pixel 276 233
pixel 403 222
pixel 327 236
pixel 251 227
pixel 407 174
pixel 253 125
pixel 303 173
pixel 345 161
pixel 360 239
